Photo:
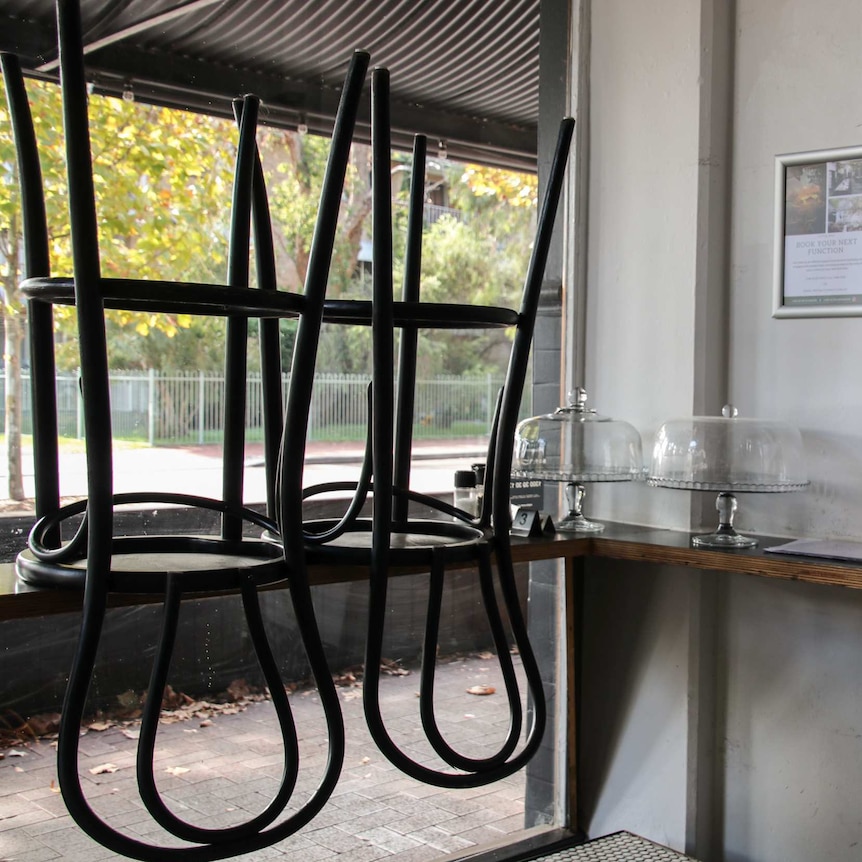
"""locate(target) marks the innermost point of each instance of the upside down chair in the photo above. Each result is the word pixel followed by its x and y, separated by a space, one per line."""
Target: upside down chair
pixel 391 536
pixel 78 545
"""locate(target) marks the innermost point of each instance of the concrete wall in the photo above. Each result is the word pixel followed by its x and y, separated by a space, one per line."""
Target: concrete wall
pixel 642 229
pixel 796 67
pixel 720 714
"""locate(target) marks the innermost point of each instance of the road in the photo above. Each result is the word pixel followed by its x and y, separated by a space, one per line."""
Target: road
pixel 196 469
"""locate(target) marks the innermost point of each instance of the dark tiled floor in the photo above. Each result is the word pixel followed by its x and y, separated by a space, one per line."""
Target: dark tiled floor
pixel 220 773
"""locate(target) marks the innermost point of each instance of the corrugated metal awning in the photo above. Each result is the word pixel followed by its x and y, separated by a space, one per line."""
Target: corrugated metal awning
pixel 464 72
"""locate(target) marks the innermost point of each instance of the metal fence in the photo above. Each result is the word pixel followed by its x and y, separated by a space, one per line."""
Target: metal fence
pixel 187 408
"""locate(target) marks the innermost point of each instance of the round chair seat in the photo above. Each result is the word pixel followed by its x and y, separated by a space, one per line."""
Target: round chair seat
pixel 140 564
pixel 412 544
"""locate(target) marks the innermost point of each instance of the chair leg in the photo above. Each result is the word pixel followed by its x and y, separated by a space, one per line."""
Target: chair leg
pixel 409 335
pixel 40 315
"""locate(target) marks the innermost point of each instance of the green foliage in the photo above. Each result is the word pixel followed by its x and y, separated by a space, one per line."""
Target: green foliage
pixel 163 187
pixel 296 165
pixel 163 182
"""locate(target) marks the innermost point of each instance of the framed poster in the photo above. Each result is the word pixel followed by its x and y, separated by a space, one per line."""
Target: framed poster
pixel 818 234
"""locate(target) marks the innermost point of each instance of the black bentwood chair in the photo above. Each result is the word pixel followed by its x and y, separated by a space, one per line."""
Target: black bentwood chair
pixel 391 536
pixel 174 566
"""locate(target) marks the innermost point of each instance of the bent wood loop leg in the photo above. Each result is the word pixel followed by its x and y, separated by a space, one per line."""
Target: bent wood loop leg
pixel 409 335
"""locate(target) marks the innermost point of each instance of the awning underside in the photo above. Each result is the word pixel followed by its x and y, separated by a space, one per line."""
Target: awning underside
pixel 464 72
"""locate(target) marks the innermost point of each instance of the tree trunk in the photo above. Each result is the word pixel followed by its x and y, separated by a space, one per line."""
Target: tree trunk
pixel 14 346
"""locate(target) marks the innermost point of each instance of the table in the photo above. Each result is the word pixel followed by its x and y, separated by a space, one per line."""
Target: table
pixel 623 542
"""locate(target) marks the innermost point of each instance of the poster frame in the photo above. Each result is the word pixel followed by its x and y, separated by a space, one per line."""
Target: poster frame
pixel 795 307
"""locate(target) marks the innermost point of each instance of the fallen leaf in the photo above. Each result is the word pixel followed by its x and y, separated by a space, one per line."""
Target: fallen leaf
pixel 207 722
pixel 99 726
pixel 102 768
pixel 481 689
pixel 392 668
pixel 18 769
pixel 172 699
pixel 128 699
pixel 45 723
pixel 238 689
pixel 485 655
pixel 131 733
pixel 176 770
pixel 365 760
pixel 14 752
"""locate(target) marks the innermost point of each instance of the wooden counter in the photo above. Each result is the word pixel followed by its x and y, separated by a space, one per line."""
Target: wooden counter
pixel 617 542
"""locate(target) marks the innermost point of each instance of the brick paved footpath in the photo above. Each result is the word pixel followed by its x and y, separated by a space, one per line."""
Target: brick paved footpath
pixel 222 771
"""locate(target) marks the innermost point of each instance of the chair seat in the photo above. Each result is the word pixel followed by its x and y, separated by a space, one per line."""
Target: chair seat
pixel 200 563
pixel 173 297
pixel 412 545
pixel 423 315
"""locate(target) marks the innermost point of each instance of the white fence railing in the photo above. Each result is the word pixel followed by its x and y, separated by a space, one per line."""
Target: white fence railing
pixel 186 408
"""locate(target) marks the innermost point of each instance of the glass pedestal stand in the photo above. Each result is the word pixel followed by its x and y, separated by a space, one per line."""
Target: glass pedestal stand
pixel 725 536
pixel 575 522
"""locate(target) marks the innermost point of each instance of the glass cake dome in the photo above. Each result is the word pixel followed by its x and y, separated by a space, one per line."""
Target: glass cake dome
pixel 727 454
pixel 576 445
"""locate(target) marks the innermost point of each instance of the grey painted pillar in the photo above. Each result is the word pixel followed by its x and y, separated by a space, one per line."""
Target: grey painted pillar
pixel 546 598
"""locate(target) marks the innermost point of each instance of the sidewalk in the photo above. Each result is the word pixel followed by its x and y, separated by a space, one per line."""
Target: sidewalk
pixel 218 771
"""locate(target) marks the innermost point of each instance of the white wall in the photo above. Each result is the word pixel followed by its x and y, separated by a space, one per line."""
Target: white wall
pixel 796 64
pixel 779 670
pixel 634 684
pixel 789 733
pixel 797 73
pixel 642 229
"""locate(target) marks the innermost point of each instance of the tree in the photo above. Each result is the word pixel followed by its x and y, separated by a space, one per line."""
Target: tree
pixel 162 178
pixel 296 163
pixel 13 346
pixel 480 256
pixel 163 187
